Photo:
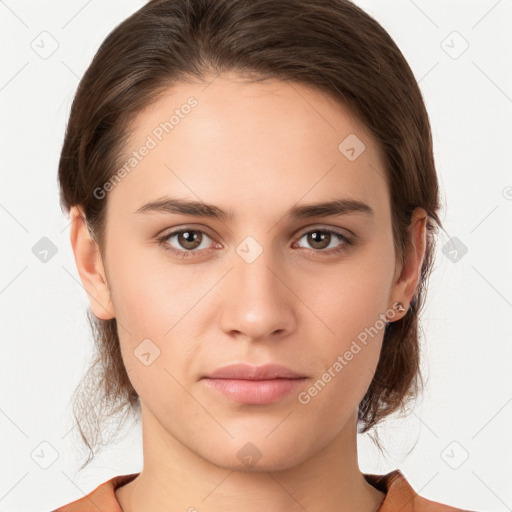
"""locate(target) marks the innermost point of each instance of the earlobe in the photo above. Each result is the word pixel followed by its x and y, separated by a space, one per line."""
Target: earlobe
pixel 405 286
pixel 90 266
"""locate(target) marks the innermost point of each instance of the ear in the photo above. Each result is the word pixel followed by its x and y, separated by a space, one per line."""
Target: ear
pixel 404 287
pixel 90 266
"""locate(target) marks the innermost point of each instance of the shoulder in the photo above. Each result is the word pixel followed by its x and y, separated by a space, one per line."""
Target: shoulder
pixel 102 498
pixel 400 495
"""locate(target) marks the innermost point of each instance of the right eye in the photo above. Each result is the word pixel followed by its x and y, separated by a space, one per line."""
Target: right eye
pixel 187 241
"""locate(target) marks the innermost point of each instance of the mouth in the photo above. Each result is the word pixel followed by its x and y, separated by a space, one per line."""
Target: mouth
pixel 248 372
pixel 254 385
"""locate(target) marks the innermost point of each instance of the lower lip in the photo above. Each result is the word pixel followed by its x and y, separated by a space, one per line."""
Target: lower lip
pixel 254 392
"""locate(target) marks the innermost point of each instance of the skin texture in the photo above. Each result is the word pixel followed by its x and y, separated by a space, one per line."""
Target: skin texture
pixel 256 150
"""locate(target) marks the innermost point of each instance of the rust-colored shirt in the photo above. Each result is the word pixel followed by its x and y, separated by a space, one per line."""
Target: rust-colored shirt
pixel 400 496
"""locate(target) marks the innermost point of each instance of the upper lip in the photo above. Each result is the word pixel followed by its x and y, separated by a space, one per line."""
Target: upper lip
pixel 248 372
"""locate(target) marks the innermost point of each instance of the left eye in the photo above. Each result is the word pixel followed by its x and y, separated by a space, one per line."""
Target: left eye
pixel 320 240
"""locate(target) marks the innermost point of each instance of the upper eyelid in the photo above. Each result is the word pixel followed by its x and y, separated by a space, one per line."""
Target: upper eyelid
pixel 331 229
pixel 302 230
pixel 175 231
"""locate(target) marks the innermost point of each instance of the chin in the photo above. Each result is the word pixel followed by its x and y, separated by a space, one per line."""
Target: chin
pixel 260 456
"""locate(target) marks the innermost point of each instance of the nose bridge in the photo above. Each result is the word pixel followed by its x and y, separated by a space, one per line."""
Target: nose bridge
pixel 255 274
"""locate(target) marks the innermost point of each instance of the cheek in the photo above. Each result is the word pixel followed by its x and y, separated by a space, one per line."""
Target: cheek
pixel 146 294
pixel 155 304
pixel 351 305
pixel 346 363
pixel 350 297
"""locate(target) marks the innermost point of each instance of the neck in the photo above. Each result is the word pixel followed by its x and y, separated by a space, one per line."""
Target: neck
pixel 176 478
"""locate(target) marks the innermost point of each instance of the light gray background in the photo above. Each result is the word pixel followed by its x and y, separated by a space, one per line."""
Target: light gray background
pixel 466 410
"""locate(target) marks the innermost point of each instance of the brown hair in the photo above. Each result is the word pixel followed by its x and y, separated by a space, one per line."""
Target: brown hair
pixel 331 45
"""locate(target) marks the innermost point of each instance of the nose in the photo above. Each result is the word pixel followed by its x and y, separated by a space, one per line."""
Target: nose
pixel 258 299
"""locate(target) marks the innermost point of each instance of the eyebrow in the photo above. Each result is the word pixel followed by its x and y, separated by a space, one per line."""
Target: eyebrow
pixel 342 206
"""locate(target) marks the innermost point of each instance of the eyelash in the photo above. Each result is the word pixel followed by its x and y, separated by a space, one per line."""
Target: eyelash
pixel 191 254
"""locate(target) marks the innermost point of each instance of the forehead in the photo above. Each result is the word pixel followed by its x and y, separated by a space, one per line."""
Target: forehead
pixel 249 144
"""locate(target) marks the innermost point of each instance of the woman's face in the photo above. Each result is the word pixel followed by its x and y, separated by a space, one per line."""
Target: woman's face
pixel 268 281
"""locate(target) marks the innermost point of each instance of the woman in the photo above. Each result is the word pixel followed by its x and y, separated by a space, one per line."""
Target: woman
pixel 253 203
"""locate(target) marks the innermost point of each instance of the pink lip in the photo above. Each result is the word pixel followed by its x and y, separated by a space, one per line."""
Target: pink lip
pixel 252 384
pixel 254 392
pixel 247 372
